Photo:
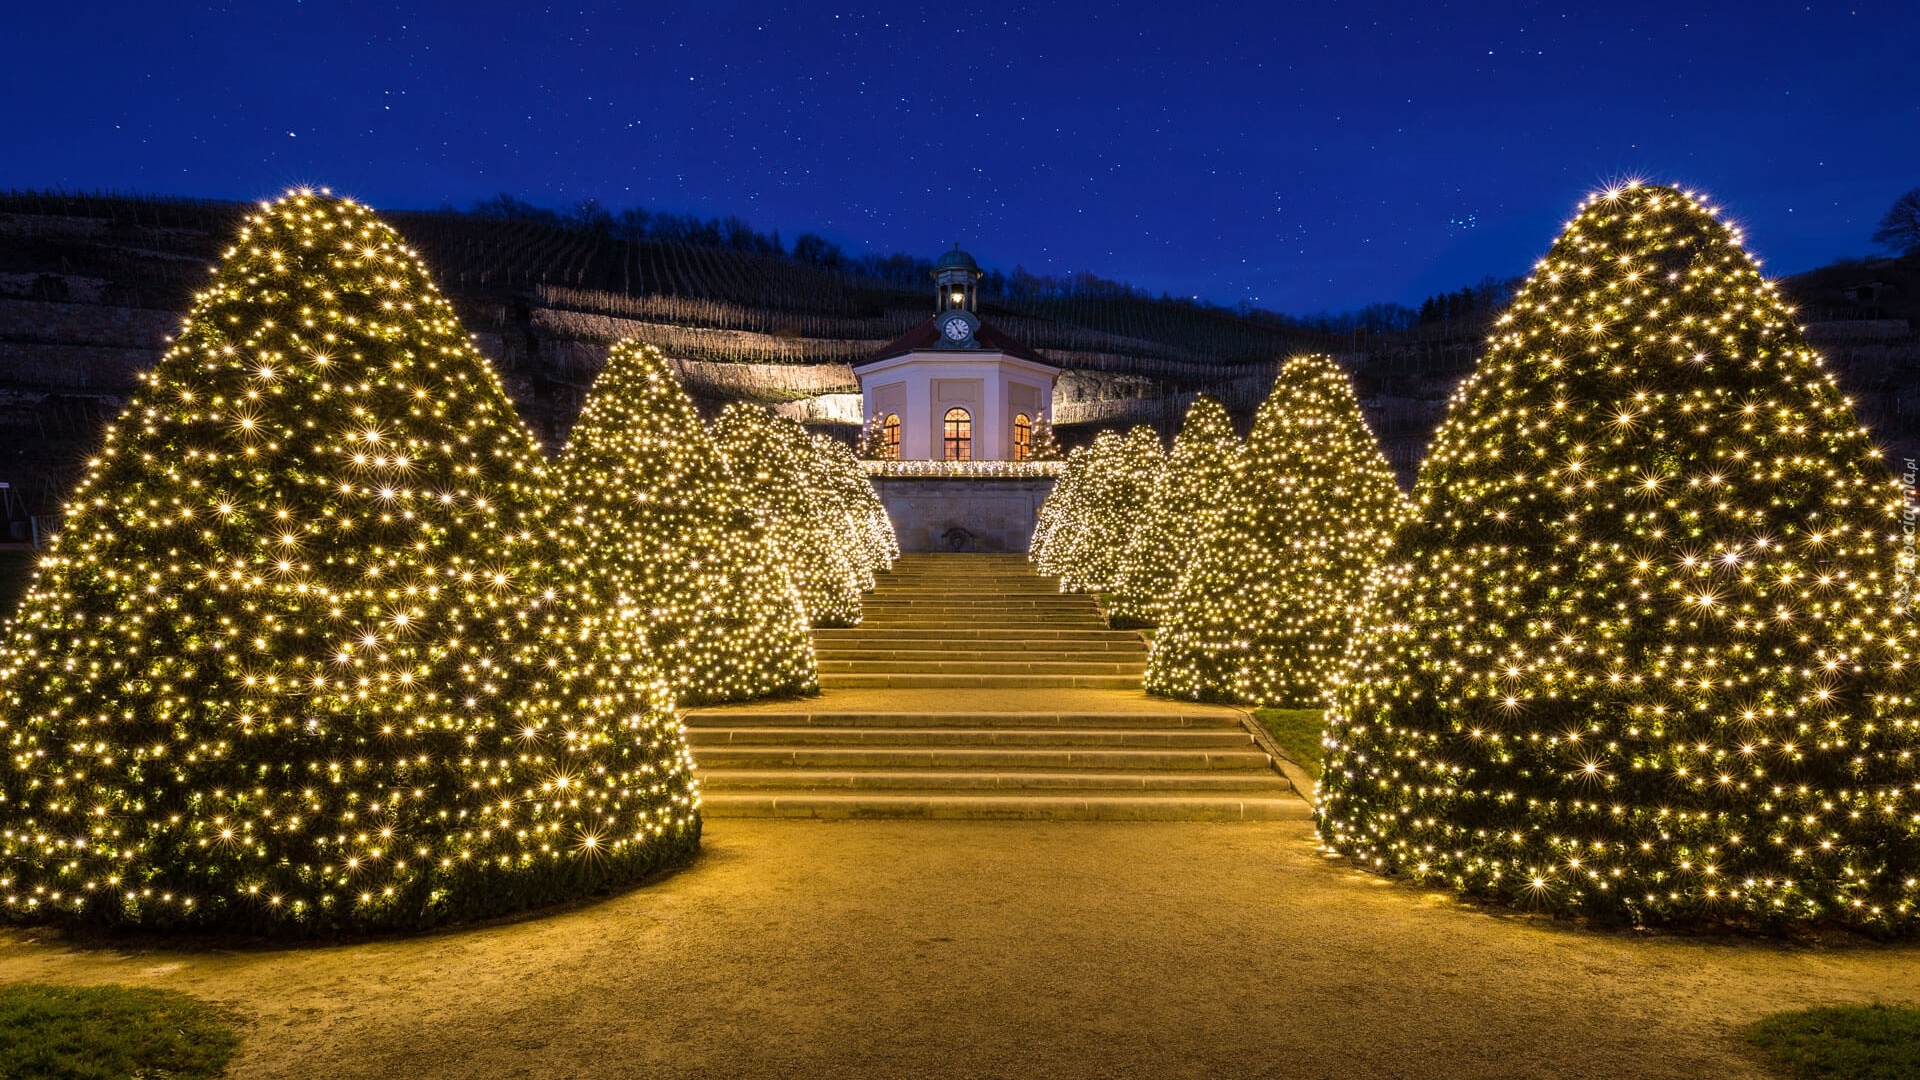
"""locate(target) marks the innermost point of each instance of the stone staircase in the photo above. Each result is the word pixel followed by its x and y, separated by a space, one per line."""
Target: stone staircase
pixel 973 688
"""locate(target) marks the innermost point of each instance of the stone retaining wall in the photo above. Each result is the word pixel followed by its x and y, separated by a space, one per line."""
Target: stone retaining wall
pixel 963 513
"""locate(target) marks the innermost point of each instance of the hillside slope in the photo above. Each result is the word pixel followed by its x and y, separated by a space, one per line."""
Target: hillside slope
pixel 91 287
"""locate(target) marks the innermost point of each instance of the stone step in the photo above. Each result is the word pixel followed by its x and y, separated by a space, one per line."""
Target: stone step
pixel 1190 781
pixel 1012 646
pixel 998 578
pixel 1109 666
pixel 1005 682
pixel 1013 642
pixel 981 758
pixel 917 601
pixel 1009 575
pixel 878 654
pixel 997 621
pixel 734 717
pixel 974 588
pixel 988 613
pixel 983 585
pixel 947 805
pixel 941 738
pixel 977 633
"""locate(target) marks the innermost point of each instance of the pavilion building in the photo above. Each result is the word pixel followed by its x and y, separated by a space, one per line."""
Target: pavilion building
pixel 956 388
pixel 959 390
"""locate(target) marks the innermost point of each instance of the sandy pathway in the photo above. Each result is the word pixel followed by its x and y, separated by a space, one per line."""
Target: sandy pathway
pixel 1004 949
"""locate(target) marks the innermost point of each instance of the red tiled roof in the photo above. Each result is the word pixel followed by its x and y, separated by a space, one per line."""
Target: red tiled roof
pixel 927 335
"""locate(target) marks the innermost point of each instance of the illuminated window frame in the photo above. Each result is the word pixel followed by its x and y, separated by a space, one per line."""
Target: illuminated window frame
pixel 1022 437
pixel 959 435
pixel 890 437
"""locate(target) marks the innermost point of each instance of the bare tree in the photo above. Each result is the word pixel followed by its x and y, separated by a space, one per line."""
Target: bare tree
pixel 1900 229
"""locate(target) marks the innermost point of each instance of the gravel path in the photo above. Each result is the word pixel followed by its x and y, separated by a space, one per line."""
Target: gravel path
pixel 898 949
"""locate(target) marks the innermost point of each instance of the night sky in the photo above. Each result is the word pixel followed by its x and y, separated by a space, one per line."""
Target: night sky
pixel 1300 156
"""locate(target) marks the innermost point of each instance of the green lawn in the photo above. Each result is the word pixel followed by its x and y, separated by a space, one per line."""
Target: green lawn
pixel 16 569
pixel 1298 733
pixel 1848 1042
pixel 101 1032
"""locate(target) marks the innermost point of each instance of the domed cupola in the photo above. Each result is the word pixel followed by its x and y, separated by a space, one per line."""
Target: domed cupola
pixel 956 299
pixel 956 280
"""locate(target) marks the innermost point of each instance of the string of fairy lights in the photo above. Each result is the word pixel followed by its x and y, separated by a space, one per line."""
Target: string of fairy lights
pixel 1638 655
pixel 1179 515
pixel 1270 592
pixel 799 486
pixel 1099 509
pixel 1054 510
pixel 323 644
pixel 1637 648
pixel 675 539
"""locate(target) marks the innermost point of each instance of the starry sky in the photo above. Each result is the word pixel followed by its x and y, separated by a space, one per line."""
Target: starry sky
pixel 1299 156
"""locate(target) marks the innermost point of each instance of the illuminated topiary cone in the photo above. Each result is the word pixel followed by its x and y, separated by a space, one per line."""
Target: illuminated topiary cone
pixel 1042 445
pixel 873 441
pixel 1055 509
pixel 1639 657
pixel 876 544
pixel 1181 515
pixel 300 658
pixel 775 460
pixel 1267 605
pixel 671 535
pixel 1120 479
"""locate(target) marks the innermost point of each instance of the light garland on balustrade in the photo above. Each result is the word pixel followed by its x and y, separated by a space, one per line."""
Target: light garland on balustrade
pixel 965 469
pixel 305 655
pixel 1268 601
pixel 675 540
pixel 1181 515
pixel 1640 655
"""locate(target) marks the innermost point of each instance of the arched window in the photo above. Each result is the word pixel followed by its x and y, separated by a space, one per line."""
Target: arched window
pixel 890 437
pixel 959 435
pixel 1022 437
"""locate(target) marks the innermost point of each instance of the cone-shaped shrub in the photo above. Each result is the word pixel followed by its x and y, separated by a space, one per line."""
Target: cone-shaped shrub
pixel 776 461
pixel 1109 508
pixel 673 536
pixel 1056 508
pixel 1043 445
pixel 301 658
pixel 873 441
pixel 876 544
pixel 1181 516
pixel 1639 656
pixel 1267 605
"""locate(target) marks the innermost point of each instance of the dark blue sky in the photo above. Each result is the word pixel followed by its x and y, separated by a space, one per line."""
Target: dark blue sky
pixel 1302 156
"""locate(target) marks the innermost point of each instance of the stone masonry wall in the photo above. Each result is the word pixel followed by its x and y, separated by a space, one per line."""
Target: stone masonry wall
pixel 963 513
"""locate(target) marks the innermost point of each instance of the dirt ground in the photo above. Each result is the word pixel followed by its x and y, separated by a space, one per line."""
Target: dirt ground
pixel 905 949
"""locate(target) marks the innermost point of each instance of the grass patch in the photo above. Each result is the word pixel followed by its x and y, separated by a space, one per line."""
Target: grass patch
pixel 98 1032
pixel 16 571
pixel 1298 733
pixel 1846 1042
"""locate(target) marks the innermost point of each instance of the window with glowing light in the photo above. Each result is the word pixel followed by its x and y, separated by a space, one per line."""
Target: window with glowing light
pixel 890 437
pixel 1022 437
pixel 959 435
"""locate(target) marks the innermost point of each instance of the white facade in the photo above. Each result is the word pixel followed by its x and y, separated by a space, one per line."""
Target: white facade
pixel 924 386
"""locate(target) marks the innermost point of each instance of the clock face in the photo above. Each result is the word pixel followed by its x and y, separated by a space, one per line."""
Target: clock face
pixel 956 329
